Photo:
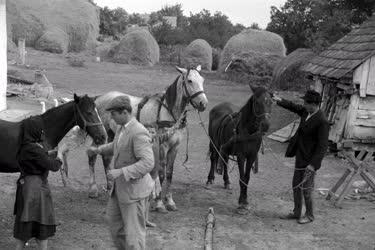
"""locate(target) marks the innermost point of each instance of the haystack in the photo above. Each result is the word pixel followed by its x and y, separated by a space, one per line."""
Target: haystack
pixel 55 41
pixel 138 47
pixel 32 19
pixel 198 52
pixel 257 51
pixel 287 74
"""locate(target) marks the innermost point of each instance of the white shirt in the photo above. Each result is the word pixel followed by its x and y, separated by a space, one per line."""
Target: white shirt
pixel 122 130
pixel 309 116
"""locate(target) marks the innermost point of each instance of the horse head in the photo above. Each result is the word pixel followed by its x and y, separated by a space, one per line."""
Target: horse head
pixel 87 118
pixel 193 87
pixel 258 109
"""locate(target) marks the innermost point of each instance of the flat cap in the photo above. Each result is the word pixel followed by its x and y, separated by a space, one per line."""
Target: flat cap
pixel 120 103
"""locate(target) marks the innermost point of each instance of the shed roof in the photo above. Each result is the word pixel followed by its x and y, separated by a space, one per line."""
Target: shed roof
pixel 346 54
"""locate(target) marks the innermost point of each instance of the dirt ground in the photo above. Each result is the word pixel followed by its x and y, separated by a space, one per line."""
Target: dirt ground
pixel 81 220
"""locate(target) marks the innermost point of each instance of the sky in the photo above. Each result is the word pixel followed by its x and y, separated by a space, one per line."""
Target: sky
pixel 244 12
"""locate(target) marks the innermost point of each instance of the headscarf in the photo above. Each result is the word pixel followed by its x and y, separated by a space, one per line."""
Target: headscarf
pixel 32 130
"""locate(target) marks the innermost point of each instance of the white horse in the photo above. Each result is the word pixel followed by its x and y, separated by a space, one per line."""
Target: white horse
pixel 159 110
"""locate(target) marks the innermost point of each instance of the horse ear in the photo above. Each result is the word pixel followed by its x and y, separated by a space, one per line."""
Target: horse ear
pixel 181 70
pixel 76 98
pixel 199 67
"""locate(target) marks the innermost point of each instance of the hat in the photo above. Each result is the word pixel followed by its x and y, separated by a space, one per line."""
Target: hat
pixel 120 103
pixel 311 96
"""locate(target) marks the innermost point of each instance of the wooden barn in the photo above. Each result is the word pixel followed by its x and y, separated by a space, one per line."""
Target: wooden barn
pixel 345 76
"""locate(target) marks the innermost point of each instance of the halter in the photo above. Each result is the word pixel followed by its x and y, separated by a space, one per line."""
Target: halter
pixel 190 97
pixel 85 122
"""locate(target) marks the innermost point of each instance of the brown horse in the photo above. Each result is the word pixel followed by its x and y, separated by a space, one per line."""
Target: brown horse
pixel 159 110
pixel 57 122
pixel 238 132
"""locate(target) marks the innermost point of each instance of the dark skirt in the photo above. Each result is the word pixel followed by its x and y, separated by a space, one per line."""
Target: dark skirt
pixel 33 209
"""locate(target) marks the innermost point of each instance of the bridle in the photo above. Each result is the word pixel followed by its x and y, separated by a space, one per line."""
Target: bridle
pixel 259 116
pixel 188 96
pixel 86 123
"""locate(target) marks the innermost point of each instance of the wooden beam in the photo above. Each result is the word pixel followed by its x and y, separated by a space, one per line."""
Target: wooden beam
pixel 21 51
pixel 370 88
pixel 210 224
pixel 3 55
pixel 364 78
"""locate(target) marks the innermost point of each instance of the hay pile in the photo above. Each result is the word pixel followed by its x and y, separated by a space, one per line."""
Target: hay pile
pixel 198 52
pixel 138 47
pixel 287 74
pixel 54 41
pixel 256 52
pixel 54 25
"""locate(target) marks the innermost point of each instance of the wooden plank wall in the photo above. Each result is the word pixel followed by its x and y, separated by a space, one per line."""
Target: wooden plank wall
pixel 364 75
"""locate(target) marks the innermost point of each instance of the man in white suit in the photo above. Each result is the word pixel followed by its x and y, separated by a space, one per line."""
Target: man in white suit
pixel 133 159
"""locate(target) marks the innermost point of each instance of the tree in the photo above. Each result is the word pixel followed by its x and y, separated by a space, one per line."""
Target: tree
pixel 216 29
pixel 136 18
pixel 317 23
pixel 120 20
pixel 105 25
pixel 255 26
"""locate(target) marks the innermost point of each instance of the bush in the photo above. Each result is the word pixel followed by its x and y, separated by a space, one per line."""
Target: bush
pixel 76 61
pixel 216 58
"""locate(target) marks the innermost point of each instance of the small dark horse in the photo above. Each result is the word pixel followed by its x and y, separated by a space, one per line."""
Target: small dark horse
pixel 57 122
pixel 238 133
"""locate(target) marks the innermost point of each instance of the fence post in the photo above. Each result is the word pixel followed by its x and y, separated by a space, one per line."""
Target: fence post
pixel 21 51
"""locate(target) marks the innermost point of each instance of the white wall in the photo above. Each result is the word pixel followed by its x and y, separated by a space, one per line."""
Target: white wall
pixel 3 55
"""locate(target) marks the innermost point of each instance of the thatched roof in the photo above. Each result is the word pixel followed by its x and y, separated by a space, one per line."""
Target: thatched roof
pixel 346 54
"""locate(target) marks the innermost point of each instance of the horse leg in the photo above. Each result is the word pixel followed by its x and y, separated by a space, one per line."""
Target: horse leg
pixel 93 187
pixel 106 159
pixel 224 153
pixel 225 174
pixel 159 205
pixel 243 202
pixel 214 160
pixel 171 156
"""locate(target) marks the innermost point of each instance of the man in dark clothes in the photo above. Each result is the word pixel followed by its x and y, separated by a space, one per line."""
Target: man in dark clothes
pixel 308 145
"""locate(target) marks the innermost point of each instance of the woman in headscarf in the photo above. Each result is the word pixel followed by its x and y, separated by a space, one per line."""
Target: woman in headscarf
pixel 33 209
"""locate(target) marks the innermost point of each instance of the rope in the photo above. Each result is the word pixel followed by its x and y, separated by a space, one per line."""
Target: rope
pixel 187 147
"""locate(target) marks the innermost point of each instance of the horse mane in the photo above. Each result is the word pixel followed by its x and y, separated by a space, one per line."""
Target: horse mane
pixel 62 106
pixel 171 93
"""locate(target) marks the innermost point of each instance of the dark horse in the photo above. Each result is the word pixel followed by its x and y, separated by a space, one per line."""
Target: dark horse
pixel 57 122
pixel 238 133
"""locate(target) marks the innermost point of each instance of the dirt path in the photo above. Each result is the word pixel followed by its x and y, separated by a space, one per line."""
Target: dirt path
pixel 81 219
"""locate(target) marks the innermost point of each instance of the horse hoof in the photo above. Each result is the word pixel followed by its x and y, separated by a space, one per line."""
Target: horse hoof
pixel 150 224
pixel 93 192
pixel 171 207
pixel 210 182
pixel 161 210
pixel 228 186
pixel 243 209
pixel 93 195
